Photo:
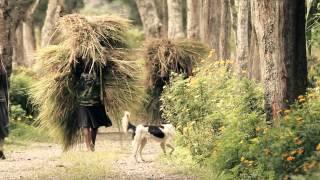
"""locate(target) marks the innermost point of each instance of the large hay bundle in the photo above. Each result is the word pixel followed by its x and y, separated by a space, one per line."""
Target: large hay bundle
pixel 164 57
pixel 100 39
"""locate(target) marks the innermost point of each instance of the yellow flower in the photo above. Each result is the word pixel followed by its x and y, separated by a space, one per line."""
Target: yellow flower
pixel 318 147
pixel 287 111
pixel 290 158
pixel 301 97
pixel 221 128
pixel 242 159
pixel 302 100
pixel 211 53
pixel 299 118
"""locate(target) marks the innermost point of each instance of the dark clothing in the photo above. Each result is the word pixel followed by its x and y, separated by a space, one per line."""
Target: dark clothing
pixel 4 103
pixel 91 112
pixel 93 117
pixel 88 83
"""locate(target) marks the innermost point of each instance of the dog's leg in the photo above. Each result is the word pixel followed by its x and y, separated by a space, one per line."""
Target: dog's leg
pixel 163 147
pixel 171 147
pixel 143 143
pixel 135 148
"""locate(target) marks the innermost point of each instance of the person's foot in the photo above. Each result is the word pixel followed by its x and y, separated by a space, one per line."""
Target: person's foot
pixel 2 156
pixel 92 148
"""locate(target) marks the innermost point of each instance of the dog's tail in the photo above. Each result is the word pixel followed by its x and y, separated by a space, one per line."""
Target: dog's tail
pixel 126 125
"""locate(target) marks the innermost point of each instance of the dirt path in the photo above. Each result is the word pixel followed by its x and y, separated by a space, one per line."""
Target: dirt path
pixel 112 160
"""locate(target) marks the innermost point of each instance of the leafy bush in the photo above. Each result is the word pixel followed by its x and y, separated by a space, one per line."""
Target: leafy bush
pixel 21 108
pixel 202 107
pixel 221 121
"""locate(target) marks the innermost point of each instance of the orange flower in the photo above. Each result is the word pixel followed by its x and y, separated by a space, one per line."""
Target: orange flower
pixel 298 141
pixel 300 151
pixel 290 158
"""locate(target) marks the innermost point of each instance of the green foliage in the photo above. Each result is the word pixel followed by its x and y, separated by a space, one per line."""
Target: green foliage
pixel 222 123
pixel 21 132
pixel 21 108
pixel 203 106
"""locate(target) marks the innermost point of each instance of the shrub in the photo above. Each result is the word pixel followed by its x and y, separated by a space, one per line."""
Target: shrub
pixel 21 108
pixel 203 106
pixel 221 121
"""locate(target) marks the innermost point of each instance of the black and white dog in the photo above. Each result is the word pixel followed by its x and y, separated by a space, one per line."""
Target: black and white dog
pixel 142 133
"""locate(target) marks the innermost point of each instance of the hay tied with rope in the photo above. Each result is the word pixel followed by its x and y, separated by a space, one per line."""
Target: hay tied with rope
pixel 100 40
pixel 164 57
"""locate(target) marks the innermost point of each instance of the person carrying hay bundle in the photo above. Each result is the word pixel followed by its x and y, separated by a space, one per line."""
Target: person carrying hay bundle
pixel 85 74
pixel 4 106
pixel 163 57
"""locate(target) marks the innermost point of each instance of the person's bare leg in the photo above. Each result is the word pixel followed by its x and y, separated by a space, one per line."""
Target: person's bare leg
pixel 87 137
pixel 94 132
pixel 1 149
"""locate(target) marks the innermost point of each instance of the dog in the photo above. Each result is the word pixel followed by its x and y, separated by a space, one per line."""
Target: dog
pixel 163 134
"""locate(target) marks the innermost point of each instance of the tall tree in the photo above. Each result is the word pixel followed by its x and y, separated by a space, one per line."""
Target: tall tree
pixel 280 29
pixel 54 11
pixel 193 19
pixel 175 20
pixel 225 30
pixel 11 15
pixel 243 37
pixel 18 51
pixel 29 40
pixel 56 8
pixel 162 9
pixel 151 22
pixel 210 26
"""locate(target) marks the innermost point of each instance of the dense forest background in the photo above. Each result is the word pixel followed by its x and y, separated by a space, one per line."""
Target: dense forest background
pixel 251 109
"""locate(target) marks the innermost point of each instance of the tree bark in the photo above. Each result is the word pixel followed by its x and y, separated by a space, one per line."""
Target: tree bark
pixel 225 31
pixel 280 29
pixel 18 51
pixel 193 19
pixel 163 16
pixel 175 20
pixel 210 17
pixel 243 35
pixel 54 11
pixel 151 22
pixel 29 40
pixel 11 15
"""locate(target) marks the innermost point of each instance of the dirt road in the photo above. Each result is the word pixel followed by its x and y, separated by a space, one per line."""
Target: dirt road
pixel 111 160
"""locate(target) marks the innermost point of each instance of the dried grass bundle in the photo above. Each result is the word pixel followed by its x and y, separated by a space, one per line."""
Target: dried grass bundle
pixel 102 40
pixel 164 57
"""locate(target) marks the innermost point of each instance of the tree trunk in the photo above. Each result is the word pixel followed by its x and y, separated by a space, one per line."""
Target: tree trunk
pixel 29 40
pixel 175 20
pixel 18 51
pixel 149 17
pixel 210 17
pixel 11 15
pixel 53 13
pixel 225 31
pixel 163 15
pixel 243 34
pixel 193 19
pixel 280 28
pixel 311 22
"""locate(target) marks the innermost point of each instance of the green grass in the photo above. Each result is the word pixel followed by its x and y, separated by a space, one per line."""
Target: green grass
pixel 78 165
pixel 21 135
pixel 181 162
